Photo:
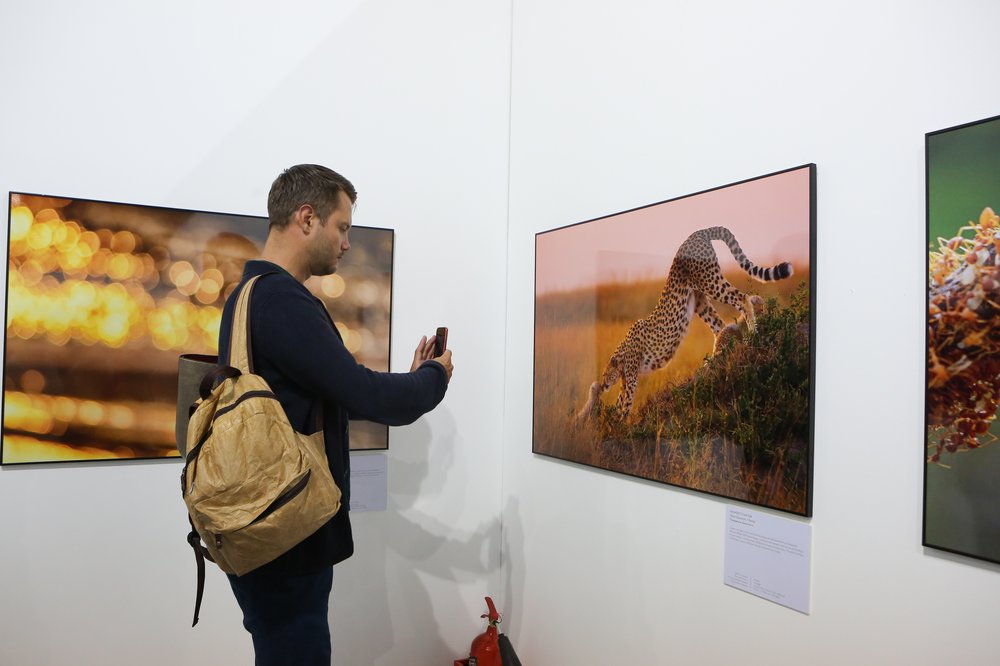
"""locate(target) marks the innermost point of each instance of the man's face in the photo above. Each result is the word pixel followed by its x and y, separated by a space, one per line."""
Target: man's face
pixel 330 242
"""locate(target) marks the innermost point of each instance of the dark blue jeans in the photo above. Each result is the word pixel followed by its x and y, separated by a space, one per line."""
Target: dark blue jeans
pixel 287 617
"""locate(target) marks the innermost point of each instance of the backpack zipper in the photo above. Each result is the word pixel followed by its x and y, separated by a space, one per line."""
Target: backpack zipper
pixel 243 397
pixel 279 502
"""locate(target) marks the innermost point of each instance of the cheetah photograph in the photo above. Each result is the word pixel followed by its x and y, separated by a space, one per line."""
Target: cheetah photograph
pixel 673 342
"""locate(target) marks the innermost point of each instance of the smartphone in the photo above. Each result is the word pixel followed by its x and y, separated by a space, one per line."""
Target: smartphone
pixel 440 341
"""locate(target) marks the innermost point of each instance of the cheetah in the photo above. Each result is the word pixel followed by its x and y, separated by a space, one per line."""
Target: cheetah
pixel 694 278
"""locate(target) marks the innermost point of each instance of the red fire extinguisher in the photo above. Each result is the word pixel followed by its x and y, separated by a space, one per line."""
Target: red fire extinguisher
pixel 486 647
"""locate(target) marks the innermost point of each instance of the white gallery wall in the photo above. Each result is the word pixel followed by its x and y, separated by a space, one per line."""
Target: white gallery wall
pixel 200 105
pixel 617 106
pixel 468 127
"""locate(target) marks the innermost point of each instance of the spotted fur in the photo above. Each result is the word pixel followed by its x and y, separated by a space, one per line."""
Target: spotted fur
pixel 695 279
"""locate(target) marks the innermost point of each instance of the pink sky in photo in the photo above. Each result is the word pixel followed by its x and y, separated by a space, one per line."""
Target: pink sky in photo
pixel 768 216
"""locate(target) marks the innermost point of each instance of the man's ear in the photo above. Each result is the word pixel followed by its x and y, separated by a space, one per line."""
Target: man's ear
pixel 306 218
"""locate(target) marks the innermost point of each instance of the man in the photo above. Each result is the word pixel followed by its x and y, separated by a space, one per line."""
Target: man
pixel 299 352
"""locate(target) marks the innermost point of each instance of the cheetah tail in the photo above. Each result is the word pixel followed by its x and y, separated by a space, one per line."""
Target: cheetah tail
pixel 777 272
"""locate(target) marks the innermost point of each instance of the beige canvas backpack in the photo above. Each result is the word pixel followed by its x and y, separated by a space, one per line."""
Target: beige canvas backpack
pixel 254 487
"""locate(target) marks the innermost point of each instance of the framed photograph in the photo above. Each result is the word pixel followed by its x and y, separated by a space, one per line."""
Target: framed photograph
pixel 961 493
pixel 674 342
pixel 102 298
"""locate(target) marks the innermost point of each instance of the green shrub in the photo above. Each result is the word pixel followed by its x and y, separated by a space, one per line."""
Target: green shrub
pixel 754 392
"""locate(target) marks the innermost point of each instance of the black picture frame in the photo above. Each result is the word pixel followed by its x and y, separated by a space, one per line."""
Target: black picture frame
pixel 594 280
pixel 961 498
pixel 101 299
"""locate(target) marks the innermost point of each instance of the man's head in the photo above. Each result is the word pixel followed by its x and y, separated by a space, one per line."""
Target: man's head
pixel 310 184
pixel 315 205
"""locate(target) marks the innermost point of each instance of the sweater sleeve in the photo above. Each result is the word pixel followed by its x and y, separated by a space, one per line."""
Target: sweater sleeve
pixel 295 334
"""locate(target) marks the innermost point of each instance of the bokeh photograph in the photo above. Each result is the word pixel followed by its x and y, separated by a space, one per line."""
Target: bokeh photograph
pixel 102 298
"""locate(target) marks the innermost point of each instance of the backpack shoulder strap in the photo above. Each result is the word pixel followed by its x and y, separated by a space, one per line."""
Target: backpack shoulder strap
pixel 240 350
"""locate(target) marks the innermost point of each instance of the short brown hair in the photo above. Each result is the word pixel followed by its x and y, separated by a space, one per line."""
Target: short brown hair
pixel 311 184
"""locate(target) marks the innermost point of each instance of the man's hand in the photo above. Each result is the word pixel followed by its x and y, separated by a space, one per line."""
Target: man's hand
pixel 425 352
pixel 445 360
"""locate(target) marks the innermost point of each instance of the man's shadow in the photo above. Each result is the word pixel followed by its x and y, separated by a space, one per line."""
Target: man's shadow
pixel 381 608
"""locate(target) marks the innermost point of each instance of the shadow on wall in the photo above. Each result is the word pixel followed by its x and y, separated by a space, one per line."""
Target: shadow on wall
pixel 398 549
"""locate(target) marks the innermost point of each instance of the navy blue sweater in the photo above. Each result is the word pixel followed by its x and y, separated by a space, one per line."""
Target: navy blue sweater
pixel 299 352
